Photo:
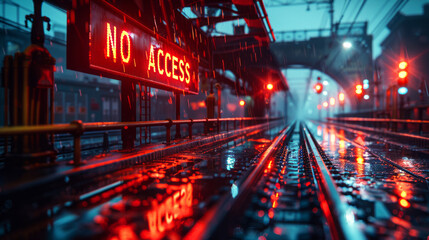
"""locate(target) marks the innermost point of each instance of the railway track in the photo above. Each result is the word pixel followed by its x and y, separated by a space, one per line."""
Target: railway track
pixel 248 188
pixel 55 204
pixel 290 193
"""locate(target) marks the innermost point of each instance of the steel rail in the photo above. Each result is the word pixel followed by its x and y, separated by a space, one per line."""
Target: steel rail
pixel 423 141
pixel 380 120
pixel 341 219
pixel 209 223
pixel 380 156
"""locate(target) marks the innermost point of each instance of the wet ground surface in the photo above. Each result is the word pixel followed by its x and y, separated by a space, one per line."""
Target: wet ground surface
pixel 163 198
pixel 167 197
pixel 392 203
pixel 284 203
pixel 403 152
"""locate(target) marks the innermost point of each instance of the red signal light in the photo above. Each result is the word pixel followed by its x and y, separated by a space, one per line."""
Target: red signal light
pixel 402 74
pixel 270 86
pixel 242 103
pixel 359 91
pixel 318 88
pixel 403 65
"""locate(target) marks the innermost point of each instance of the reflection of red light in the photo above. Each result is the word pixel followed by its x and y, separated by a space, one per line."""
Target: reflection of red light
pixel 403 194
pixel 359 160
pixel 404 203
pixel 176 206
pixel 126 232
pixel 278 230
pixel 271 213
pixel 201 104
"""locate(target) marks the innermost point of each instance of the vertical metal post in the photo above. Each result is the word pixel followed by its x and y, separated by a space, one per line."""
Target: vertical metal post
pixel 140 112
pixel 149 117
pixel 331 13
pixel 128 113
pixel 168 131
pixel 177 99
pixel 7 76
pixel 190 129
pixel 76 142
pixel 52 118
pixel 206 126
pixel 219 101
pixel 146 110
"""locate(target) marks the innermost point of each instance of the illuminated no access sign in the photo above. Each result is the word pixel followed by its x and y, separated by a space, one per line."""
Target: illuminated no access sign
pixel 103 40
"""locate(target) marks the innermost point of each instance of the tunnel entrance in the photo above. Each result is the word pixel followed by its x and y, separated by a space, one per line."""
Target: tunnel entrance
pixel 307 103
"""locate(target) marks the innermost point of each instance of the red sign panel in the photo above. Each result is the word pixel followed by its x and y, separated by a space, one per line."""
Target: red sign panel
pixel 103 40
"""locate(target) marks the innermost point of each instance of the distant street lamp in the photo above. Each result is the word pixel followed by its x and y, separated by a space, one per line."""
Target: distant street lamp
pixel 347 45
pixel 325 104
pixel 332 101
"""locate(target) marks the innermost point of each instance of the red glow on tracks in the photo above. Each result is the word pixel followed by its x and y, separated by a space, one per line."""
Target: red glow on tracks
pixel 177 206
pixel 404 203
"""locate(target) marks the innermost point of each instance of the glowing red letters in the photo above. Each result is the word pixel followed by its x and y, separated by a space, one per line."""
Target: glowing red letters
pixel 171 65
pixel 112 46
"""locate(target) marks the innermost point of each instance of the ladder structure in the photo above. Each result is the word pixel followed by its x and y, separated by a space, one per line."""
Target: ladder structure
pixel 145 111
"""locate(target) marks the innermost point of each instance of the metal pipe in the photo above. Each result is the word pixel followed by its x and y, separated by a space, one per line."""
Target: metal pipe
pixel 102 126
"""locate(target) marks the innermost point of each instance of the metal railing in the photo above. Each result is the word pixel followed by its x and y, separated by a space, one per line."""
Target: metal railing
pixel 402 130
pixel 77 128
pixel 387 123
